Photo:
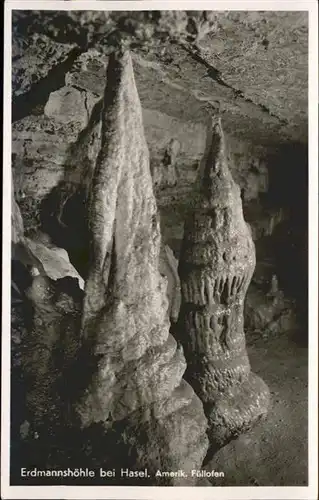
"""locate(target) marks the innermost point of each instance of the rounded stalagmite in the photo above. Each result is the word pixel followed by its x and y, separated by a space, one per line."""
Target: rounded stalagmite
pixel 216 266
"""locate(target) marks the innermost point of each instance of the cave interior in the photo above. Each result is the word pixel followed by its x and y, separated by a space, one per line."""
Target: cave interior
pixel 249 69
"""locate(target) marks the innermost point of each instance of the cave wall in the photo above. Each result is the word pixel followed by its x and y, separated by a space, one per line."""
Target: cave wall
pixel 57 103
pixel 248 68
pixel 42 141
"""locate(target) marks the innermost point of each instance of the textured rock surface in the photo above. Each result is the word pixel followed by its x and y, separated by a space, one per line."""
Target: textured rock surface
pixel 45 324
pixel 138 373
pixel 51 151
pixel 54 261
pixel 69 104
pixel 59 147
pixel 168 266
pixel 17 228
pixel 42 274
pixel 40 148
pixel 165 173
pixel 281 83
pixel 216 266
pixel 50 346
pixel 34 58
pixel 274 452
pixel 252 67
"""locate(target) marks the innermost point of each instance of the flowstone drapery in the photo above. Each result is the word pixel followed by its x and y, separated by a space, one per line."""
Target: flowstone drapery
pixel 216 266
pixel 137 382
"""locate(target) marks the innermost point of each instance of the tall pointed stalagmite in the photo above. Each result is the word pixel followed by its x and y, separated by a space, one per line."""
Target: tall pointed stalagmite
pixel 216 266
pixel 136 390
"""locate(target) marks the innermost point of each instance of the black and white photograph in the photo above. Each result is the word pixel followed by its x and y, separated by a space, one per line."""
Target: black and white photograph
pixel 160 298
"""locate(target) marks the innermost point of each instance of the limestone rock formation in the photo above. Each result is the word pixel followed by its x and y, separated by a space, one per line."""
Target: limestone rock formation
pixel 252 66
pixel 69 104
pixel 38 253
pixel 34 58
pixel 43 274
pixel 269 314
pixel 164 173
pixel 137 380
pixel 216 266
pixel 17 228
pixel 168 266
pixel 54 261
pixel 40 149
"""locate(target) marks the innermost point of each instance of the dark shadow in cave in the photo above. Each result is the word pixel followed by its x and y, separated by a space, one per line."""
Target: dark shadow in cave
pixel 288 189
pixel 63 213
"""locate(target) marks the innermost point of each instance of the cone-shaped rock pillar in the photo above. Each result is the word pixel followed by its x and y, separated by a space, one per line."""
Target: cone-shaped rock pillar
pixel 137 383
pixel 216 265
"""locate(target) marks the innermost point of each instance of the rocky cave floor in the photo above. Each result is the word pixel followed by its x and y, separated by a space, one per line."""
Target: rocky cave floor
pixel 274 452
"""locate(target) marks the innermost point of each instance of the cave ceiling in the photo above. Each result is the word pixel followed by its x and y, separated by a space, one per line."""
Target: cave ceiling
pixel 250 67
